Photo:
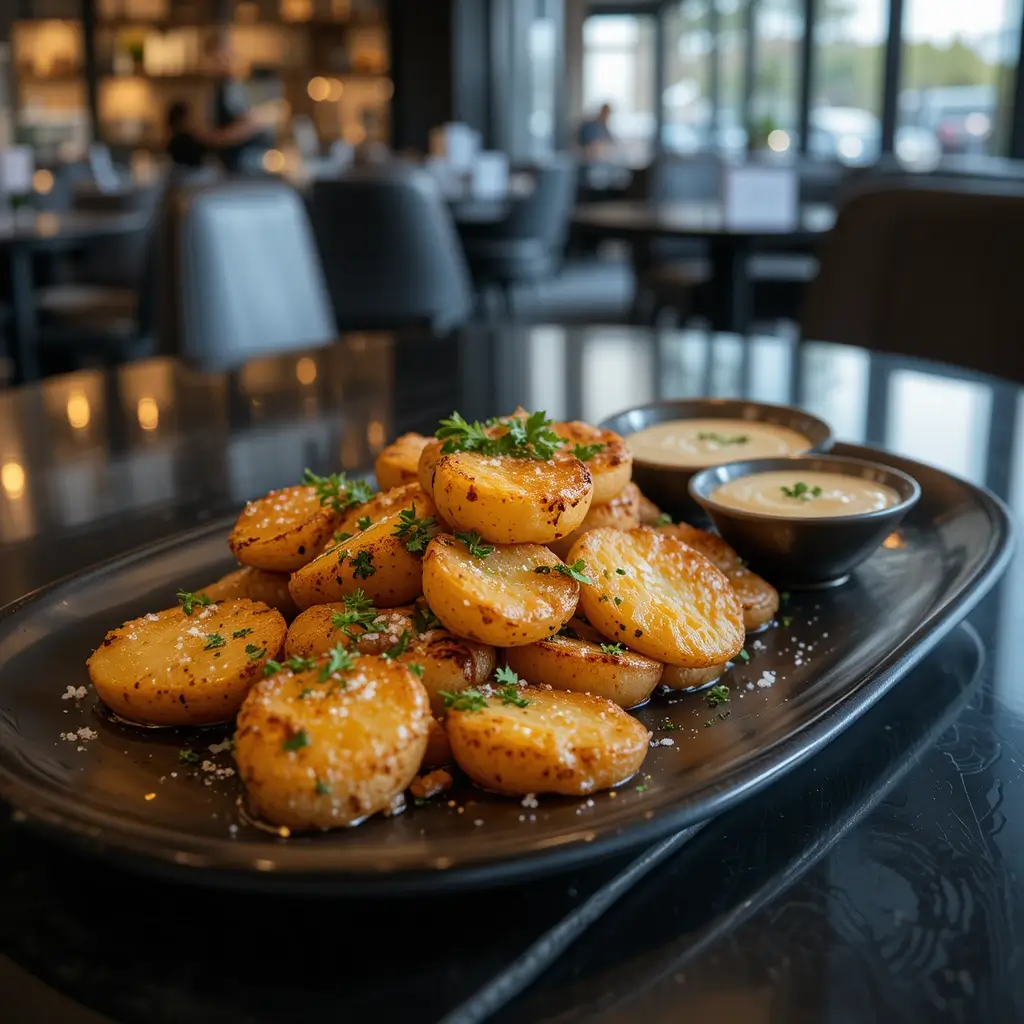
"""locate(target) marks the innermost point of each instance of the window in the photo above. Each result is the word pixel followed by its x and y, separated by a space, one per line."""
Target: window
pixel 687 102
pixel 618 69
pixel 846 98
pixel 773 118
pixel 957 79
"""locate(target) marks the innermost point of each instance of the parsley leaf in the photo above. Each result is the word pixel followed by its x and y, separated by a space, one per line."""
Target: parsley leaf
pixel 531 438
pixel 340 538
pixel 339 659
pixel 472 540
pixel 239 633
pixel 360 612
pixel 187 756
pixel 575 571
pixel 744 655
pixel 416 670
pixel 459 435
pixel 362 566
pixel 296 741
pixel 663 520
pixel 801 491
pixel 506 675
pixel 613 649
pixel 337 490
pixel 569 632
pixel 322 788
pixel 720 439
pixel 213 640
pixel 271 667
pixel 398 648
pixel 585 452
pixel 188 601
pixel 667 725
pixel 424 620
pixel 254 652
pixel 364 522
pixel 415 532
pixel 787 621
pixel 510 695
pixel 297 664
pixel 718 695
pixel 463 700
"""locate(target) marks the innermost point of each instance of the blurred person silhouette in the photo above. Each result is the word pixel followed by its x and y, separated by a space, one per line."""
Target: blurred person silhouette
pixel 183 145
pixel 595 136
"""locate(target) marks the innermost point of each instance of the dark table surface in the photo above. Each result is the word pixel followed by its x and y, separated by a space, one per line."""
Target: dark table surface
pixel 47 228
pixel 878 882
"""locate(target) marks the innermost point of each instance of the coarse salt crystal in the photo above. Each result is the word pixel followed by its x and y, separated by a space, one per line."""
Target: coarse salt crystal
pixel 530 800
pixel 73 693
pixel 767 679
pixel 85 733
pixel 150 617
pixel 219 748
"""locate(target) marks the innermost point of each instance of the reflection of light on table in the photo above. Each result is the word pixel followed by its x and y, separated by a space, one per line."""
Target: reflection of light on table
pixel 305 370
pixel 78 410
pixel 375 434
pixel 47 224
pixel 12 480
pixel 893 541
pixel 148 413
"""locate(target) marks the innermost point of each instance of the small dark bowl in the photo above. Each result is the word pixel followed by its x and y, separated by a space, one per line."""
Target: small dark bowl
pixel 797 552
pixel 667 486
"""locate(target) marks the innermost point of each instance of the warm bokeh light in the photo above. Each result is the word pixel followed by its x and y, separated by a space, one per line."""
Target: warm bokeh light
pixel 385 90
pixel 42 182
pixel 47 224
pixel 148 412
pixel 247 12
pixel 335 90
pixel 78 410
pixel 12 480
pixel 318 88
pixel 778 141
pixel 893 541
pixel 355 134
pixel 305 370
pixel 296 10
pixel 273 161
pixel 375 434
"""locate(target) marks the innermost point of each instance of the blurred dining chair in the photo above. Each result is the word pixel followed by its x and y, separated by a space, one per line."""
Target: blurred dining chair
pixel 390 252
pixel 236 275
pixel 929 272
pixel 527 246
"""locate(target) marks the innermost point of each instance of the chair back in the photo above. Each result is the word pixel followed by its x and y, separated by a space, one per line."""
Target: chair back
pixel 390 252
pixel 545 213
pixel 685 178
pixel 117 261
pixel 237 274
pixel 931 273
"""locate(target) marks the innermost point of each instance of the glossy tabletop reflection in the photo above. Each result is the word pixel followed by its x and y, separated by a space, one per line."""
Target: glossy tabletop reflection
pixel 878 882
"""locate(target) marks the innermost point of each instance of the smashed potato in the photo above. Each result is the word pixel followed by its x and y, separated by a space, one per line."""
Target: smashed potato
pixel 383 503
pixel 429 458
pixel 758 598
pixel 332 743
pixel 676 678
pixel 650 514
pixel 558 742
pixel 173 669
pixel 399 462
pixel 609 460
pixel 512 500
pixel 256 584
pixel 283 531
pixel 512 596
pixel 621 513
pixel 659 596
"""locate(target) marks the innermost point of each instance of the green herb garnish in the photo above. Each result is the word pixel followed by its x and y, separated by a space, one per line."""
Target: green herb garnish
pixel 787 621
pixel 359 612
pixel 569 632
pixel 254 652
pixel 718 695
pixel 296 741
pixel 337 490
pixel 415 532
pixel 271 667
pixel 613 649
pixel 575 571
pixel 340 538
pixel 297 664
pixel 721 439
pixel 239 633
pixel 424 620
pixel 322 788
pixel 744 656
pixel 188 601
pixel 464 700
pixel 362 566
pixel 339 659
pixel 620 572
pixel 364 522
pixel 398 648
pixel 416 670
pixel 531 438
pixel 187 756
pixel 667 725
pixel 642 788
pixel 801 491
pixel 472 540
pixel 617 601
pixel 585 452
pixel 663 520
pixel 213 640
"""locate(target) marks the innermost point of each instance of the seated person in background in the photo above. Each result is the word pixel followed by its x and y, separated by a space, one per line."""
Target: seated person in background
pixel 183 147
pixel 595 137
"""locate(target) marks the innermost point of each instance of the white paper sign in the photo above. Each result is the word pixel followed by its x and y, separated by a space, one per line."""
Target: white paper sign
pixel 17 165
pixel 762 198
pixel 489 179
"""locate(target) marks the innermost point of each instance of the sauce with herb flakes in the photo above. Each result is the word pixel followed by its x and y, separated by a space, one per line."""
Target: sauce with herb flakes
pixel 709 442
pixel 805 494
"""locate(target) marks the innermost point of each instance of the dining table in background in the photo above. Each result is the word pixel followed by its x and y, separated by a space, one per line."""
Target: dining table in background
pixel 878 881
pixel 730 243
pixel 23 233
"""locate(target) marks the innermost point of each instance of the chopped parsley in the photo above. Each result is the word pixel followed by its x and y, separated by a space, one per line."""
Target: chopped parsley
pixel 718 695
pixel 663 520
pixel 305 692
pixel 364 522
pixel 416 670
pixel 613 649
pixel 271 667
pixel 415 532
pixel 188 601
pixel 585 452
pixel 642 788
pixel 620 572
pixel 801 491
pixel 569 632
pixel 187 756
pixel 362 566
pixel 424 620
pixel 576 571
pixel 340 538
pixel 398 648
pixel 617 601
pixel 299 664
pixel 296 741
pixel 507 675
pixel 463 700
pixel 359 612
pixel 322 788
pixel 337 490
pixel 472 540
pixel 787 621
pixel 531 438
pixel 744 656
pixel 721 439
pixel 239 633
pixel 667 725
pixel 339 659
pixel 254 652
pixel 213 640
pixel 510 695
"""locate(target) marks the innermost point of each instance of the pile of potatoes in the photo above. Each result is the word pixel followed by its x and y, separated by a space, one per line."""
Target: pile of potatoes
pixel 495 611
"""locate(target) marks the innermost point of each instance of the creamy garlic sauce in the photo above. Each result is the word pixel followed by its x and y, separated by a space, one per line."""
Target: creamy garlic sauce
pixel 710 442
pixel 805 494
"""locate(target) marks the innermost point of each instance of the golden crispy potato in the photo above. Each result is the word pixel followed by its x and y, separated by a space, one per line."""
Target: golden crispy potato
pixel 439 750
pixel 384 503
pixel 621 513
pixel 502 599
pixel 660 596
pixel 429 458
pixel 570 662
pixel 444 661
pixel 758 598
pixel 513 501
pixel 283 531
pixel 611 466
pixel 173 669
pixel 650 514
pixel 398 463
pixel 676 678
pixel 271 588
pixel 377 560
pixel 318 748
pixel 560 742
